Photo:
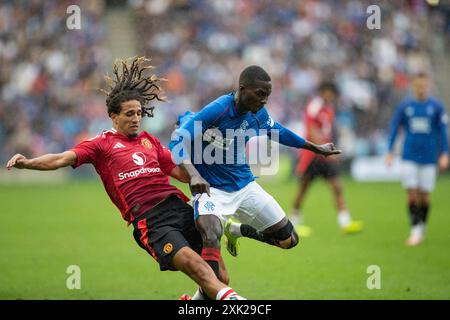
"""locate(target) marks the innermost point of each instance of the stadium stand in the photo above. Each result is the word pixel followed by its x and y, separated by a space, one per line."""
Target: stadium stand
pixel 49 74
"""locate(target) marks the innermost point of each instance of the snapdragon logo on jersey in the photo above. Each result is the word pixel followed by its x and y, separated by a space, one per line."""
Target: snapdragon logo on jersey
pixel 139 159
pixel 243 145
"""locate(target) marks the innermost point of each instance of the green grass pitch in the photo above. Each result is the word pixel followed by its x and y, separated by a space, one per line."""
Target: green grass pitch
pixel 46 228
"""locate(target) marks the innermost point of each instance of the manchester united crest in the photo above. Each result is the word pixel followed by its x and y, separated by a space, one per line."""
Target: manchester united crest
pixel 168 247
pixel 146 143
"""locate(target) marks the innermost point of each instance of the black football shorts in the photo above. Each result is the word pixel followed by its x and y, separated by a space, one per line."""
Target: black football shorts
pixel 165 229
pixel 322 168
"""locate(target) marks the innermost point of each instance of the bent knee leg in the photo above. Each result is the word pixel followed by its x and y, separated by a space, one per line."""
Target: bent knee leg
pixel 189 262
pixel 290 242
pixel 211 230
pixel 285 237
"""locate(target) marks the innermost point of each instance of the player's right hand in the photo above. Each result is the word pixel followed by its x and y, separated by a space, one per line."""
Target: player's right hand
pixel 17 161
pixel 389 159
pixel 443 162
pixel 199 185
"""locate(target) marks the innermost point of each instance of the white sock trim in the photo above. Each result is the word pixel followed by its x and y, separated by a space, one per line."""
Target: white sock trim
pixel 235 229
pixel 198 295
pixel 344 218
pixel 224 293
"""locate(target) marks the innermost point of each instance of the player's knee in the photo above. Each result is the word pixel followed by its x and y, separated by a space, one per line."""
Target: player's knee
pixel 286 237
pixel 413 197
pixel 290 242
pixel 424 198
pixel 211 232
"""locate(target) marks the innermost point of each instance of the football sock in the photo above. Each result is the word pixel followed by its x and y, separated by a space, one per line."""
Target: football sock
pixel 250 232
pixel 344 218
pixel 212 256
pixel 424 212
pixel 414 214
pixel 418 229
pixel 198 295
pixel 235 229
pixel 225 293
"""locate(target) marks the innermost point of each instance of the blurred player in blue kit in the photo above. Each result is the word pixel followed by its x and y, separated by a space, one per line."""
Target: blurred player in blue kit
pixel 424 122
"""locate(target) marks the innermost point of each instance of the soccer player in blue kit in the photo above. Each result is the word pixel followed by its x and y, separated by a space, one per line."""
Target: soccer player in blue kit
pixel 225 187
pixel 424 122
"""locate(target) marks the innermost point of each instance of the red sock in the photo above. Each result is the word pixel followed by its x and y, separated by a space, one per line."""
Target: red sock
pixel 212 256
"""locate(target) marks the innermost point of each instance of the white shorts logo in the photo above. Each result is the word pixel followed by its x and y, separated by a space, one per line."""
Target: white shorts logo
pixel 139 158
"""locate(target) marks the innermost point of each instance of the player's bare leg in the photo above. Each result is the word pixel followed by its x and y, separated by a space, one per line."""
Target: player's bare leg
pixel 189 262
pixel 224 278
pixel 223 273
pixel 211 230
pixel 344 218
pixel 418 204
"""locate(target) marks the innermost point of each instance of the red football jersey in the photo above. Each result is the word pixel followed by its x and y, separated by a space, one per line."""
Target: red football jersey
pixel 134 171
pixel 321 116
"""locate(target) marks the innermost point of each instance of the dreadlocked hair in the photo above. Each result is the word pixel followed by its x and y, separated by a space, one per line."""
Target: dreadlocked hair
pixel 131 84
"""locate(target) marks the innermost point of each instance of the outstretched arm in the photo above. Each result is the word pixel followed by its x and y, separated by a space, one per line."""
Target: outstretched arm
pixel 290 139
pixel 180 174
pixel 326 149
pixel 45 162
pixel 196 183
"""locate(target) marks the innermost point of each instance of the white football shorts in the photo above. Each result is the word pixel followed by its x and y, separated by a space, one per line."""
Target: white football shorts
pixel 251 205
pixel 418 176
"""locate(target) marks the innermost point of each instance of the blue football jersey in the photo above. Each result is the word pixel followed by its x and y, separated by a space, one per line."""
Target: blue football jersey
pixel 425 127
pixel 219 154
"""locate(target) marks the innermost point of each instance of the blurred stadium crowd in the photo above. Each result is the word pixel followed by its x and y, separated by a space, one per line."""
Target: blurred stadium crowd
pixel 49 74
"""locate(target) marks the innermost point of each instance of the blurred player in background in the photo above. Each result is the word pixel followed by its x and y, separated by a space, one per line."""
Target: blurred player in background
pixel 319 122
pixel 424 122
pixel 234 191
pixel 135 168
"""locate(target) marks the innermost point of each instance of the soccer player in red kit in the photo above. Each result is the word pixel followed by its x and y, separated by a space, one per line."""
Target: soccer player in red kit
pixel 135 168
pixel 319 121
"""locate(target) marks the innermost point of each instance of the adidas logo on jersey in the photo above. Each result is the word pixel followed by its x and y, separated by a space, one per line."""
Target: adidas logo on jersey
pixel 118 145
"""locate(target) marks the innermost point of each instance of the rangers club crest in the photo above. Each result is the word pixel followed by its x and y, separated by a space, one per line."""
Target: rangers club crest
pixel 146 143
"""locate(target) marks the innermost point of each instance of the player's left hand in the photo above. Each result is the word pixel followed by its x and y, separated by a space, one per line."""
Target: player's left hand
pixel 328 149
pixel 443 162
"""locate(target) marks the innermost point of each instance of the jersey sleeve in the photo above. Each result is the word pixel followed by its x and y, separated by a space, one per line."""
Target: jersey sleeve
pixel 285 136
pixel 87 151
pixel 395 125
pixel 193 128
pixel 165 159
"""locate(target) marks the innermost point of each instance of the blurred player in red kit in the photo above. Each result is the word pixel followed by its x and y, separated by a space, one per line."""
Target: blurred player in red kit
pixel 319 122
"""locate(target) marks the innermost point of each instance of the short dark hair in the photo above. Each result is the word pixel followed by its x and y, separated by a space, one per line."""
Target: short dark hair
pixel 329 85
pixel 252 73
pixel 131 84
